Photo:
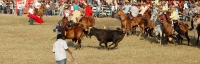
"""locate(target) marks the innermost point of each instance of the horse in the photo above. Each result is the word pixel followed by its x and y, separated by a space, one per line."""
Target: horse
pixel 72 31
pixel 149 24
pixel 168 29
pixel 126 22
pixel 86 23
pixel 197 23
pixel 41 10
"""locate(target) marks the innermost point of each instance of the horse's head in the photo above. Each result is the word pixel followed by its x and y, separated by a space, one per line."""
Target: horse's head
pixel 119 12
pixel 162 17
pixel 43 7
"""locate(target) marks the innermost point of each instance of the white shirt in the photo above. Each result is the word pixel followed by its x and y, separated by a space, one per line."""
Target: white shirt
pixel 47 6
pixel 19 6
pixel 31 11
pixel 185 6
pixel 59 48
pixel 143 9
pixel 134 11
pixel 1 2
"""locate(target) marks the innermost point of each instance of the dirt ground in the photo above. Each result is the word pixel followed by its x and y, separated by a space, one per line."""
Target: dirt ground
pixel 21 43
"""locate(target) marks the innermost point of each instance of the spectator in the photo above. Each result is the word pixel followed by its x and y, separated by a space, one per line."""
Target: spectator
pixel 48 9
pixel 11 8
pixel 53 8
pixel 1 7
pixel 23 7
pixel 19 8
pixel 185 11
pixel 61 10
pixel 98 10
pixel 4 7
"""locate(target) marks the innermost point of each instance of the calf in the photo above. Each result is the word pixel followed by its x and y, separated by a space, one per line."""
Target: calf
pixel 105 36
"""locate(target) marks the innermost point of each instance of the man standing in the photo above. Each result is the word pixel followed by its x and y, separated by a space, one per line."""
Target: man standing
pixel 59 48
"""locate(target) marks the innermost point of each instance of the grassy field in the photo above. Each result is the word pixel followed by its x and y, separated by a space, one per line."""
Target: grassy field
pixel 21 43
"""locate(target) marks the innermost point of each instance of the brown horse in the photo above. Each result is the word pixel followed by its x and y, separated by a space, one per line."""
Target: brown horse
pixel 86 22
pixel 149 24
pixel 126 22
pixel 168 29
pixel 71 31
pixel 41 10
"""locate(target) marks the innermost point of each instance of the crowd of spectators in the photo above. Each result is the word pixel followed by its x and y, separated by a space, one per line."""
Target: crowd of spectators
pixel 101 8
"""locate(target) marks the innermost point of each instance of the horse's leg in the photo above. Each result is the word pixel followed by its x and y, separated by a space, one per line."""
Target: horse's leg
pixel 141 31
pixel 181 39
pixel 197 40
pixel 188 39
pixel 74 40
pixel 100 44
pixel 79 44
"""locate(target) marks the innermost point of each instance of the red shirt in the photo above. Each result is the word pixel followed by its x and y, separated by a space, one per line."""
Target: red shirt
pixel 88 11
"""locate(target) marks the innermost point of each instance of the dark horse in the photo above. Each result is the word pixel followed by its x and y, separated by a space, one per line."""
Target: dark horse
pixel 71 30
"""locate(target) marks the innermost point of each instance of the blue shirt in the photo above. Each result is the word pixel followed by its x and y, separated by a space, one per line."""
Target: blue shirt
pixel 76 6
pixel 127 8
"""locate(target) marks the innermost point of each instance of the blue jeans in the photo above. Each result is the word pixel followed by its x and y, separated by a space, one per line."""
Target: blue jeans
pixel 31 21
pixel 19 12
pixel 53 12
pixel 47 12
pixel 97 13
pixel 61 61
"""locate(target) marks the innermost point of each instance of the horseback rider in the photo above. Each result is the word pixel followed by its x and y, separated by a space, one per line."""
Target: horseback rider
pixel 67 12
pixel 126 7
pixel 174 18
pixel 143 8
pixel 155 12
pixel 89 12
pixel 134 10
pixel 76 13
